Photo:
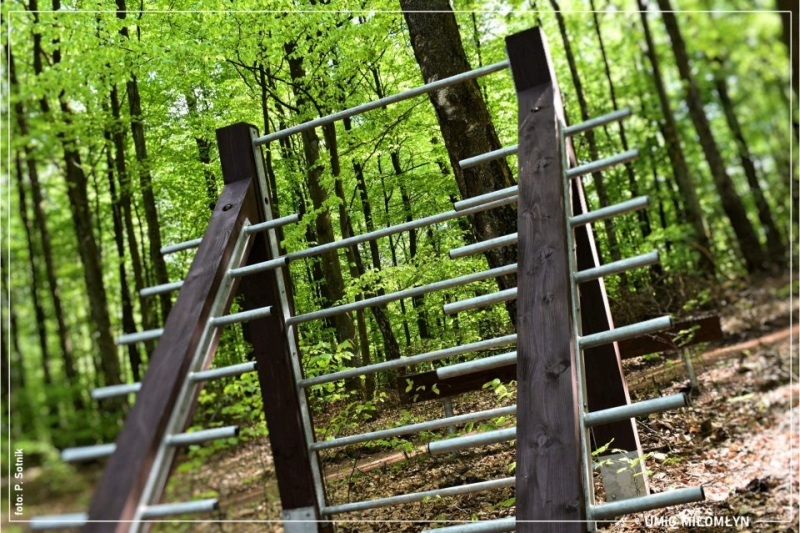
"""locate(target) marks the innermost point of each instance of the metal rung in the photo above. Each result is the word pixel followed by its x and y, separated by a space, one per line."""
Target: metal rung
pixel 601 164
pixel 602 120
pixel 608 510
pixel 244 316
pixel 160 289
pixel 470 367
pixel 482 199
pixel 272 224
pixel 407 293
pixel 414 359
pixel 424 89
pixel 419 496
pixel 112 391
pixel 139 336
pixel 571 130
pixel 411 429
pixel 224 372
pixel 645 407
pixel 489 244
pixel 272 264
pixel 616 267
pixel 397 228
pixel 626 332
pixel 634 204
pixel 480 301
pixel 59 521
pixel 196 437
pixel 488 156
pixel 186 245
pixel 171 509
pixel 472 441
pixel 501 525
pixel 87 453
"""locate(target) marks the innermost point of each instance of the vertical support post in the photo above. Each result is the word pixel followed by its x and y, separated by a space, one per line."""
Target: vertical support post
pixel 273 352
pixel 549 489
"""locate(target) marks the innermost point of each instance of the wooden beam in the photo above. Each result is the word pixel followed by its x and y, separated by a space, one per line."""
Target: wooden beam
pixel 121 486
pixel 268 335
pixel 549 489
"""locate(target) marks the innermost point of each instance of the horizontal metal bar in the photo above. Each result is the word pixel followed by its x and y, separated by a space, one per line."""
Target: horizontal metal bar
pixel 272 224
pixel 634 204
pixel 243 316
pixel 399 228
pixel 186 245
pixel 196 437
pixel 161 289
pixel 412 360
pixel 399 295
pixel 616 267
pixel 224 372
pixel 171 509
pixel 488 156
pixel 59 521
pixel 87 453
pixel 493 196
pixel 399 97
pixel 500 525
pixel 489 244
pixel 602 120
pixel 412 429
pixel 139 336
pixel 112 391
pixel 480 301
pixel 470 367
pixel 626 332
pixel 258 267
pixel 608 510
pixel 601 164
pixel 645 407
pixel 438 447
pixel 419 496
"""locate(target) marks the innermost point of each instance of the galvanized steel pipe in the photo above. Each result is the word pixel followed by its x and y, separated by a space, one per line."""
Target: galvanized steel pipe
pixel 489 244
pixel 616 267
pixel 470 367
pixel 608 510
pixel 634 204
pixel 471 441
pixel 626 332
pixel 480 301
pixel 645 407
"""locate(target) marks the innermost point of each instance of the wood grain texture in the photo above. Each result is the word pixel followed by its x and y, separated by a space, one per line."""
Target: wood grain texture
pixel 123 480
pixel 548 446
pixel 268 336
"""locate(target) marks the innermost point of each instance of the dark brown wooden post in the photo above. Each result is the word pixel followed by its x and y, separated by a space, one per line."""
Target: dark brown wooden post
pixel 121 486
pixel 549 489
pixel 268 335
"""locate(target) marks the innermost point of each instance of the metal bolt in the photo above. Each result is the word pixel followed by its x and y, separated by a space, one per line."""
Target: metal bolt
pixel 536 109
pixel 227 207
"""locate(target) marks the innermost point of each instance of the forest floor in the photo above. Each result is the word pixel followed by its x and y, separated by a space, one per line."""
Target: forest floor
pixel 739 440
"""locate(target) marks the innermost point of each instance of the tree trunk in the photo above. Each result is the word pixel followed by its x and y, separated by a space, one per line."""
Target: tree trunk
pixel 754 257
pixel 40 224
pixel 145 180
pixel 790 35
pixel 465 124
pixel 775 245
pixel 599 182
pixel 680 170
pixel 203 150
pixel 333 289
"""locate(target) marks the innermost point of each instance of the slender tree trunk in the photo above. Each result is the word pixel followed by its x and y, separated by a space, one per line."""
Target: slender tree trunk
pixel 790 36
pixel 128 321
pixel 40 223
pixel 465 124
pixel 145 179
pixel 754 257
pixel 599 182
pixel 680 169
pixel 203 150
pixel 775 244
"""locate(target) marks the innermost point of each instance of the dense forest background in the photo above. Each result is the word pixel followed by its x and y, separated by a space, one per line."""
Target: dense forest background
pixel 110 154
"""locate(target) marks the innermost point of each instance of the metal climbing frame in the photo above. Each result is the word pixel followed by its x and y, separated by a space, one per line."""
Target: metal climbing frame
pixel 565 345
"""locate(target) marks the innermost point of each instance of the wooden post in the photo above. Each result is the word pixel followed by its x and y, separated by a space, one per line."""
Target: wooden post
pixel 549 490
pixel 273 353
pixel 122 484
